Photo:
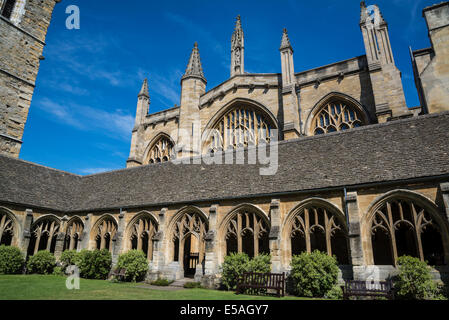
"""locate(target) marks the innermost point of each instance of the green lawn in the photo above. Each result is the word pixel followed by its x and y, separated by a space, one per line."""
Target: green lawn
pixel 35 287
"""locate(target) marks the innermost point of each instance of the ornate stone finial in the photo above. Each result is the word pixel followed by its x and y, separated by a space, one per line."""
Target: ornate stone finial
pixel 285 44
pixel 144 92
pixel 194 68
pixel 237 49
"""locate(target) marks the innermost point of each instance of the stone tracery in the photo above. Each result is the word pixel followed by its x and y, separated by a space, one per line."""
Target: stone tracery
pixel 6 229
pixel 142 233
pixel 105 233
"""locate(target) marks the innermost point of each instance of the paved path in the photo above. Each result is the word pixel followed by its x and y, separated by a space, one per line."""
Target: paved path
pixel 175 286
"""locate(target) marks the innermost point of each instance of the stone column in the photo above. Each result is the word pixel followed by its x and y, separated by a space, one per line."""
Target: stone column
pixel 158 263
pixel 118 239
pixel 210 264
pixel 354 233
pixel 445 192
pixel 60 238
pixel 85 237
pixel 275 236
pixel 25 237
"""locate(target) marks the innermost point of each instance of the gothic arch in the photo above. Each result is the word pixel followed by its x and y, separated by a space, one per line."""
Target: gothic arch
pixel 103 232
pixel 73 233
pixel 186 234
pixel 245 228
pixel 255 122
pixel 159 149
pixel 315 224
pixel 140 232
pixel 404 222
pixel 358 116
pixel 44 232
pixel 10 229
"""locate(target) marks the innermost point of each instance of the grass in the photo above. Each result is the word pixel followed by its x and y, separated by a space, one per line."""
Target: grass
pixel 37 287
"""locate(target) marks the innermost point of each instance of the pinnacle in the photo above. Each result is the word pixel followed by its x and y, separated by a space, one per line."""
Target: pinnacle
pixel 285 44
pixel 144 91
pixel 194 67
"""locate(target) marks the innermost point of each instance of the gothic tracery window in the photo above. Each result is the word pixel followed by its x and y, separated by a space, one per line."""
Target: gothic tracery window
pixel 336 116
pixel 401 227
pixel 7 8
pixel 74 232
pixel 247 232
pixel 316 228
pixel 161 151
pixel 44 233
pixel 188 241
pixel 6 229
pixel 142 234
pixel 105 233
pixel 241 127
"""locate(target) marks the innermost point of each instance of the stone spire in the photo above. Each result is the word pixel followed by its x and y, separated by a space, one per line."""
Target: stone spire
pixel 285 44
pixel 363 12
pixel 144 92
pixel 194 68
pixel 237 49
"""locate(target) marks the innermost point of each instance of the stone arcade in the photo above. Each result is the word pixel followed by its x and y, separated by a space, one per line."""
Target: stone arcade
pixel 360 175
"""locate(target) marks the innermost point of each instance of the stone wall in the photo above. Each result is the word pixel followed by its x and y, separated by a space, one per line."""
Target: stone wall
pixel 21 46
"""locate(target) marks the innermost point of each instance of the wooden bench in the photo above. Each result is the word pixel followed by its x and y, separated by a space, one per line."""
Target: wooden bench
pixel 260 283
pixel 119 274
pixel 366 289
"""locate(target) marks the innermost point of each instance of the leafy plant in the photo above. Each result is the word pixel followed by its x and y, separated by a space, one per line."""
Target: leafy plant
pixel 414 281
pixel 336 293
pixel 135 263
pixel 43 262
pixel 11 260
pixel 58 271
pixel 68 258
pixel 162 282
pixel 313 274
pixel 94 264
pixel 192 285
pixel 236 264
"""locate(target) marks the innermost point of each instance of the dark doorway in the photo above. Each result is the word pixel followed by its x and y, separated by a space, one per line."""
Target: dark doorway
pixel 191 259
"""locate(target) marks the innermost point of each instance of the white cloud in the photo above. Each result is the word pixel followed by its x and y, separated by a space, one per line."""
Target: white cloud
pixel 89 171
pixel 114 124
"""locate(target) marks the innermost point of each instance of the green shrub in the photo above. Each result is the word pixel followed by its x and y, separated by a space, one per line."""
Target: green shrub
pixel 94 264
pixel 313 275
pixel 192 285
pixel 162 282
pixel 68 258
pixel 135 263
pixel 414 281
pixel 58 271
pixel 11 260
pixel 336 293
pixel 42 262
pixel 233 268
pixel 260 264
pixel 236 264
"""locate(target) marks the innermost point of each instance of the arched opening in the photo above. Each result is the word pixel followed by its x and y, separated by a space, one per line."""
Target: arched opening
pixel 317 226
pixel 160 150
pixel 107 240
pixel 43 235
pixel 191 255
pixel 403 226
pixel 74 230
pixel 143 229
pixel 241 125
pixel 337 112
pixel 6 229
pixel 104 233
pixel 246 231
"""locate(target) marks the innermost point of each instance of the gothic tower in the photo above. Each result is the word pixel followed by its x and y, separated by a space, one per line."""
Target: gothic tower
pixel 23 28
pixel 385 77
pixel 237 49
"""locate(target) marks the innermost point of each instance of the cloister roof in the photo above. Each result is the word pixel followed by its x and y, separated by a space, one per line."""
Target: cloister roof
pixel 398 150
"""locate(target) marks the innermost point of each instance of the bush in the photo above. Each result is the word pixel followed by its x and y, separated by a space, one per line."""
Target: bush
pixel 11 260
pixel 336 293
pixel 236 264
pixel 68 258
pixel 313 275
pixel 414 281
pixel 94 264
pixel 42 262
pixel 58 271
pixel 193 285
pixel 135 263
pixel 161 282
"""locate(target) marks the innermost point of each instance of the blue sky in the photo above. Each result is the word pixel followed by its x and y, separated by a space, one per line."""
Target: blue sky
pixel 84 104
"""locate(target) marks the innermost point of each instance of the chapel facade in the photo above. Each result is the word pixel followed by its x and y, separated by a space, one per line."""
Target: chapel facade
pixel 359 175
